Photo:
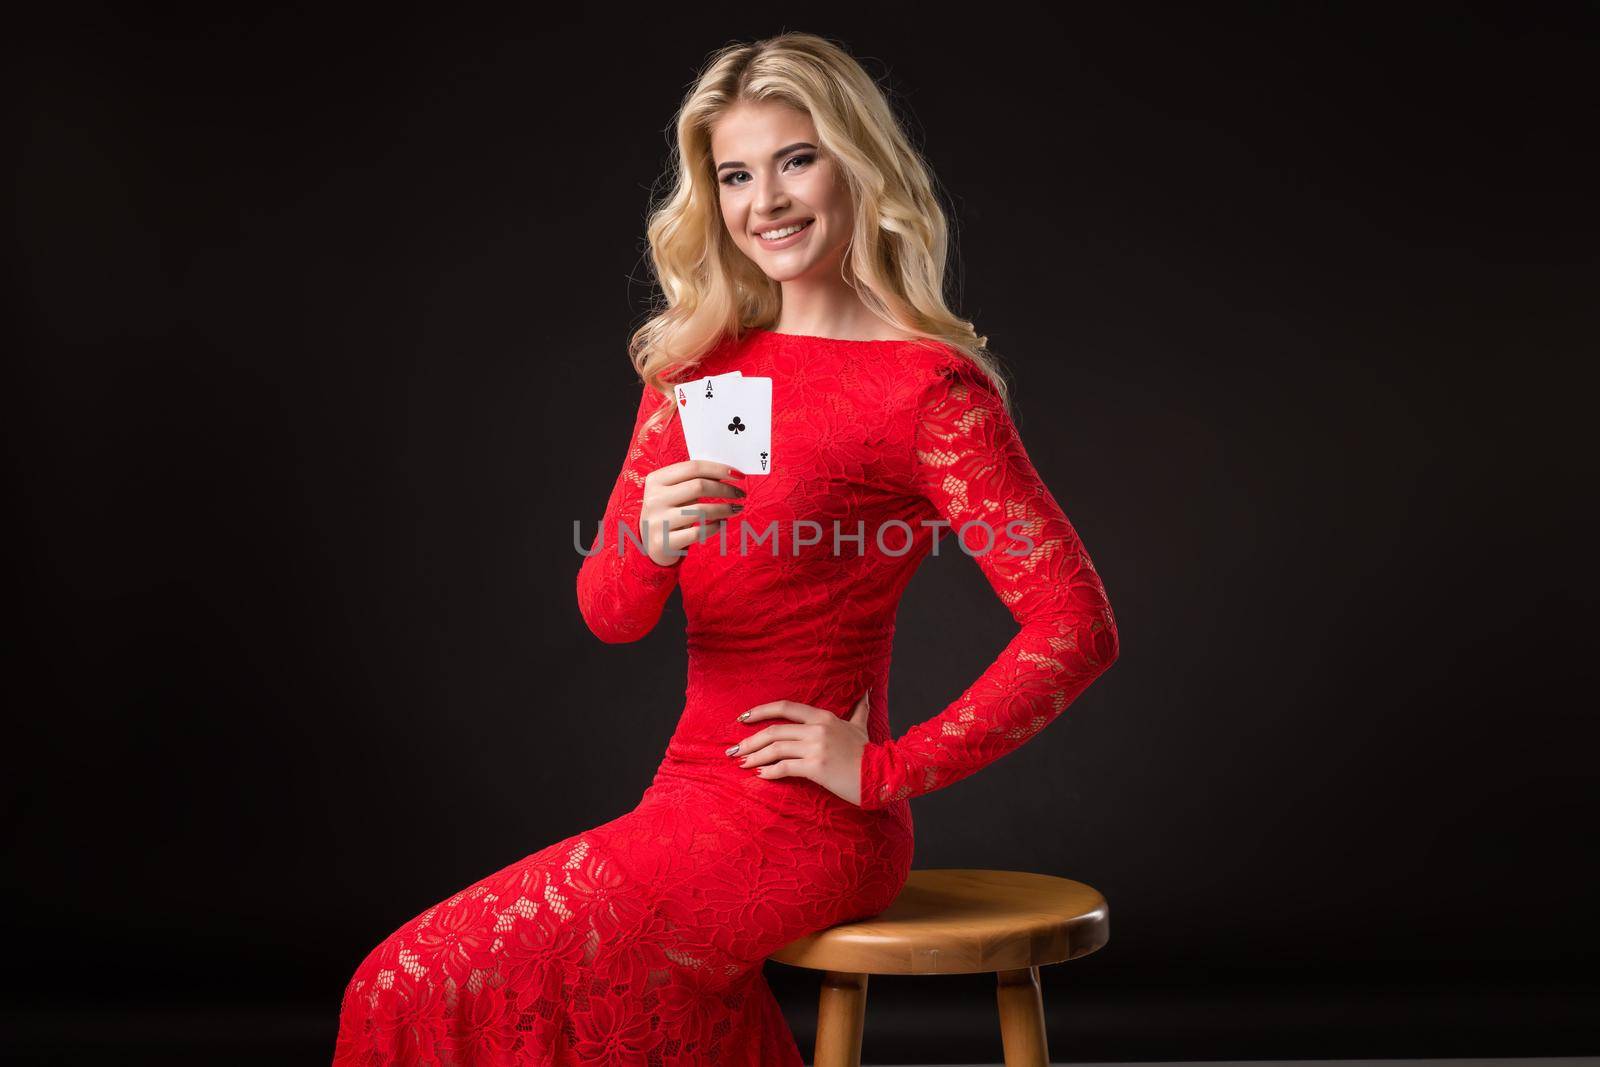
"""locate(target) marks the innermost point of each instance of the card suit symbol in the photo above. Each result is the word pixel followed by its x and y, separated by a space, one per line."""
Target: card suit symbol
pixel 763 461
pixel 708 390
pixel 736 426
pixel 682 398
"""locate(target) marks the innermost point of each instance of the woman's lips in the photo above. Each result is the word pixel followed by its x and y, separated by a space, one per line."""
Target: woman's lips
pixel 785 242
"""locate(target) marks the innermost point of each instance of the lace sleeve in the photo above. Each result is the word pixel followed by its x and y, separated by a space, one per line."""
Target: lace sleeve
pixel 970 464
pixel 621 590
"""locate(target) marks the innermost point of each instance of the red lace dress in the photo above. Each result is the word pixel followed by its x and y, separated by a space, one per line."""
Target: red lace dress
pixel 641 941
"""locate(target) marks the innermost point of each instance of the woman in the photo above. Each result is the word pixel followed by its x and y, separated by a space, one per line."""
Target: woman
pixel 780 806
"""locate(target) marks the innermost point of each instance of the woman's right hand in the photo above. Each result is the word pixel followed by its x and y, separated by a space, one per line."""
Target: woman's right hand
pixel 671 489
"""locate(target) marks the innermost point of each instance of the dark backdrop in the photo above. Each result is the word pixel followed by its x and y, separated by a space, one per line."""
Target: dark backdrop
pixel 322 326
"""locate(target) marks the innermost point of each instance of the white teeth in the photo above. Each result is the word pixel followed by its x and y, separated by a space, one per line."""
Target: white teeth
pixel 773 235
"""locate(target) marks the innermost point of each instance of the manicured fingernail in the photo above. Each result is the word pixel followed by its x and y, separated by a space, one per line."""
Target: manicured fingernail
pixel 734 472
pixel 743 717
pixel 735 507
pixel 734 750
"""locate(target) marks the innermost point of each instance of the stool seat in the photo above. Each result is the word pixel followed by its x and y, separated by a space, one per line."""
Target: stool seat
pixel 962 921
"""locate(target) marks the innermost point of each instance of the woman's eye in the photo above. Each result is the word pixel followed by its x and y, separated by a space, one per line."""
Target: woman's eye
pixel 728 179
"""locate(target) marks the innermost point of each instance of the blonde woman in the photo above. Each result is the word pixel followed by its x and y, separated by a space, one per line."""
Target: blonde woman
pixel 802 242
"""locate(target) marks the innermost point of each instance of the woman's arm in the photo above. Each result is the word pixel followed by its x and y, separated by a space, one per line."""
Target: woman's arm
pixel 970 464
pixel 621 596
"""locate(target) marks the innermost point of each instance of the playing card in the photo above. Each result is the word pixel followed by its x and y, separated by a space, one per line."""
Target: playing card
pixel 692 398
pixel 734 425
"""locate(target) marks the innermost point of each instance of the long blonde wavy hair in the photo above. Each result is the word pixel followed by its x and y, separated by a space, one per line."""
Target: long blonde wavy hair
pixel 896 257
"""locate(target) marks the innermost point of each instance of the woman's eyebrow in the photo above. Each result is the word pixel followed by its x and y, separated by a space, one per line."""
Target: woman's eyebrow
pixel 782 151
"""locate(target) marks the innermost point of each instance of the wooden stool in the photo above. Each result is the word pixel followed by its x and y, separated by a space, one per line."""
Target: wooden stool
pixel 954 921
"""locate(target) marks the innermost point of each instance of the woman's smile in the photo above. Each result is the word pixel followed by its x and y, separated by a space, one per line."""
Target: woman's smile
pixel 784 242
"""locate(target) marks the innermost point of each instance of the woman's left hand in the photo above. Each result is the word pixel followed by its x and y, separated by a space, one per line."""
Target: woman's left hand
pixel 818 745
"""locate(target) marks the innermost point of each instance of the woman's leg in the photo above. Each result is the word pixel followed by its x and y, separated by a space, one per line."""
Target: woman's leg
pixel 562 958
pixel 466 982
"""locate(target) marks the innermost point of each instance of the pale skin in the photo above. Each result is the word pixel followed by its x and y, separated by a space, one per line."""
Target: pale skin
pixel 771 170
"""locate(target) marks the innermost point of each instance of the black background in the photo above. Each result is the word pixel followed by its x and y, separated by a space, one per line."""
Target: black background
pixel 322 342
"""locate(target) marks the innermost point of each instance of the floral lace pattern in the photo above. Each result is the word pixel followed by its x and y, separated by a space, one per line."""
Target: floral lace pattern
pixel 622 594
pixel 970 464
pixel 641 941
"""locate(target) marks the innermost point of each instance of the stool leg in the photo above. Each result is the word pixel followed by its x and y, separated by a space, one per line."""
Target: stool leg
pixel 1022 1018
pixel 841 1014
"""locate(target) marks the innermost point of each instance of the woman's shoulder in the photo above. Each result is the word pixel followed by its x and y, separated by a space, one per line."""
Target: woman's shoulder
pixel 926 362
pixel 723 354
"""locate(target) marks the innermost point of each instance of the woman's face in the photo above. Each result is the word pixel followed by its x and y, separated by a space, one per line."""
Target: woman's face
pixel 770 174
